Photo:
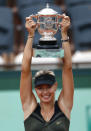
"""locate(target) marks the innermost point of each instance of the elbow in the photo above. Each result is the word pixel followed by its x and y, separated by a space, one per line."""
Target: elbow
pixel 25 65
pixel 68 65
pixel 25 68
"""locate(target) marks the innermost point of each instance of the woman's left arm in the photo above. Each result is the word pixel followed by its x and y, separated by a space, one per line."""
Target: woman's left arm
pixel 66 97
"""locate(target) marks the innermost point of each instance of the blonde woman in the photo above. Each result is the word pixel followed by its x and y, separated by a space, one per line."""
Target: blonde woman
pixel 48 115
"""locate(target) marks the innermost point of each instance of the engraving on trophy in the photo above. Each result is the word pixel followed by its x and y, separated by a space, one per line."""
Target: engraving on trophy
pixel 48 23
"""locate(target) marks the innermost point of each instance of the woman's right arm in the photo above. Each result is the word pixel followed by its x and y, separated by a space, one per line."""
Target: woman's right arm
pixel 28 99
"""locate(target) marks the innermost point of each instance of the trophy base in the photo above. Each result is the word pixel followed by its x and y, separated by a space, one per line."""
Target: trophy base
pixel 47 45
pixel 49 53
pixel 48 42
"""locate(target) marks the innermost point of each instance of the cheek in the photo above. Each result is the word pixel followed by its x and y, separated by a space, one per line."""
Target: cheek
pixel 52 92
pixel 38 93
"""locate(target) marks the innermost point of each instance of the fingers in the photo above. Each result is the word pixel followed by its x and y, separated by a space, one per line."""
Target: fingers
pixel 65 23
pixel 28 18
pixel 30 24
pixel 30 21
pixel 65 19
pixel 64 16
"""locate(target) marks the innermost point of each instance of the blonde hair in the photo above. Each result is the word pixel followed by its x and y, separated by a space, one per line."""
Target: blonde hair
pixel 43 72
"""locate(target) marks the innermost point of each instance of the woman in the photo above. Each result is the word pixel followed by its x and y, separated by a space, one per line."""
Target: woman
pixel 48 115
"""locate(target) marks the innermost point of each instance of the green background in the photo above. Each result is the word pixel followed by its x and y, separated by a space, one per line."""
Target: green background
pixel 11 115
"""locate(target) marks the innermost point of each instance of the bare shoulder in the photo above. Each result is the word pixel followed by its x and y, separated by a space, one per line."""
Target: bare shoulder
pixel 30 107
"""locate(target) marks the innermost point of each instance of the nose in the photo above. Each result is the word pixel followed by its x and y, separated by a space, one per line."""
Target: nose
pixel 45 90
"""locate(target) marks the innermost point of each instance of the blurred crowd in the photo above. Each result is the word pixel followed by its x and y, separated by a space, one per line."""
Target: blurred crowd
pixel 13 34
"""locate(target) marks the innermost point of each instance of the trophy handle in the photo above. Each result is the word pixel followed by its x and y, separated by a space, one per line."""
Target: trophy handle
pixel 59 17
pixel 35 19
pixel 33 16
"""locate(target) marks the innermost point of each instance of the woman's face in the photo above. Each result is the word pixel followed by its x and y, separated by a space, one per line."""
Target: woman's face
pixel 46 93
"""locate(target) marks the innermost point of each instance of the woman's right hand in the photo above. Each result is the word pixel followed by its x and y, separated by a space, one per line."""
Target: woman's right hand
pixel 30 26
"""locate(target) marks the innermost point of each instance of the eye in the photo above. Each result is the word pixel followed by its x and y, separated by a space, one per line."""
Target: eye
pixel 39 87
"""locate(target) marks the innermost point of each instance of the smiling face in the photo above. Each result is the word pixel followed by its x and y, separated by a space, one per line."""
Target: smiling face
pixel 46 93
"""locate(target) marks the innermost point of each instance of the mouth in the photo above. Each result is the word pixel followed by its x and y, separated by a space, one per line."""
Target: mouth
pixel 46 97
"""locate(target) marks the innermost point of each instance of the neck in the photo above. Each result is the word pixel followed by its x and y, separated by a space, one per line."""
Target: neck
pixel 47 107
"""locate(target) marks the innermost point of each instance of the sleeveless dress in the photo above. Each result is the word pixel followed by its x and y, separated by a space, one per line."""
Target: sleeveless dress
pixel 58 122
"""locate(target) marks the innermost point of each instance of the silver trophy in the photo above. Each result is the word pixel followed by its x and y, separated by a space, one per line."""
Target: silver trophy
pixel 47 25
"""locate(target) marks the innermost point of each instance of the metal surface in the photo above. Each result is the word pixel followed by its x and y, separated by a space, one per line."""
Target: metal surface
pixel 47 11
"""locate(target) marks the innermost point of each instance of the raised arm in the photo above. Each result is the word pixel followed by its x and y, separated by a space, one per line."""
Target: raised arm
pixel 27 97
pixel 66 96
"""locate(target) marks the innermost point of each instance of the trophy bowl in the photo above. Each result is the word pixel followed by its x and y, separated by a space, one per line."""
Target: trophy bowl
pixel 47 25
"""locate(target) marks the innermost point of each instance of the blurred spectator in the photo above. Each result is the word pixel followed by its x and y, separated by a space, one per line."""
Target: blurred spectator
pixel 71 3
pixel 80 12
pixel 6 32
pixel 18 32
pixel 81 25
pixel 60 3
